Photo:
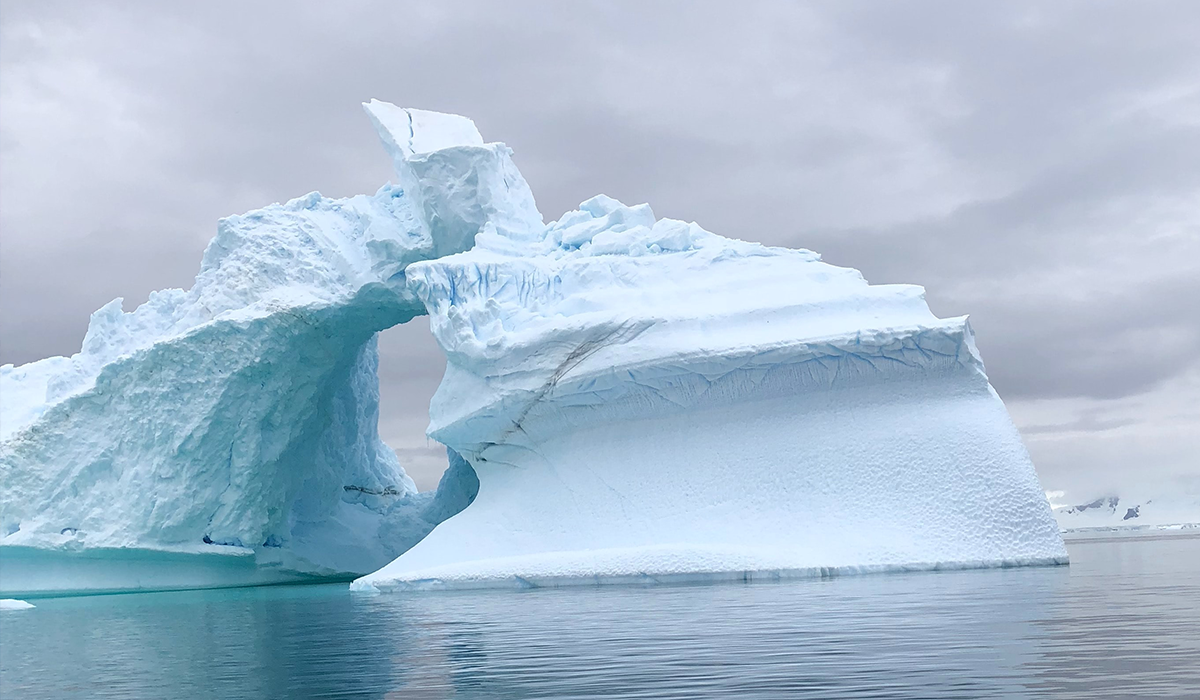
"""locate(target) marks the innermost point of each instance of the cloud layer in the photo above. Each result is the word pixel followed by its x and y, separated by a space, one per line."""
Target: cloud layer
pixel 1031 164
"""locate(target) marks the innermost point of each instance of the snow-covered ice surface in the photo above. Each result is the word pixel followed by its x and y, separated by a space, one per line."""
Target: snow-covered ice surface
pixel 14 604
pixel 646 401
pixel 227 434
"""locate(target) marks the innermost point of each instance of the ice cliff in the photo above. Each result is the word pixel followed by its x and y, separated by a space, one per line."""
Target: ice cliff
pixel 646 401
pixel 227 434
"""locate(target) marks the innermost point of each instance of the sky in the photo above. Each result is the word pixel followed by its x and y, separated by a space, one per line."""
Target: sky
pixel 1033 165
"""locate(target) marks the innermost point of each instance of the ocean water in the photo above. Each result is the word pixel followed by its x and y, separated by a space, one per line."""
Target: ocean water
pixel 1123 621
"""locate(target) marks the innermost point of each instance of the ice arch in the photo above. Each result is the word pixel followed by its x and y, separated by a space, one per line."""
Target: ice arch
pixel 228 434
pixel 633 399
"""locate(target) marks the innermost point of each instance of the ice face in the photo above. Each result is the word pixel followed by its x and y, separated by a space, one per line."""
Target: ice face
pixel 643 400
pixel 238 420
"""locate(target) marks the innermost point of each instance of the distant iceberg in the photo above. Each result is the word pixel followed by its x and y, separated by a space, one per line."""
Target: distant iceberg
pixel 228 434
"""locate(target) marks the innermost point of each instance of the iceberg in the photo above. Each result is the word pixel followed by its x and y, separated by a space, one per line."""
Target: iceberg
pixel 228 434
pixel 626 399
pixel 645 401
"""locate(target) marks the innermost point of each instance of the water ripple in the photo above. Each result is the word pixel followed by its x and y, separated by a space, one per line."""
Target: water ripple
pixel 1123 621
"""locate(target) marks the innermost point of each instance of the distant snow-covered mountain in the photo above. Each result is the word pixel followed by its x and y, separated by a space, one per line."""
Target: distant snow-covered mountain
pixel 1174 505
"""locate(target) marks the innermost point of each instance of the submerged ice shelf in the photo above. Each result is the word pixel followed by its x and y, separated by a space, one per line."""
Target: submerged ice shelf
pixel 626 399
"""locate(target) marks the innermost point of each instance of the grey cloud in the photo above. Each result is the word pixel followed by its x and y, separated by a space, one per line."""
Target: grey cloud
pixel 1088 423
pixel 1069 288
pixel 1072 353
pixel 410 368
pixel 1030 164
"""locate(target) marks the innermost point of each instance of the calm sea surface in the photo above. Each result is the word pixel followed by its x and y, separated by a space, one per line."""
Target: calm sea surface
pixel 1122 621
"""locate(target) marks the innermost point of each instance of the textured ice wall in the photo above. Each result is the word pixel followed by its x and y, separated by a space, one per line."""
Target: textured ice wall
pixel 643 400
pixel 227 434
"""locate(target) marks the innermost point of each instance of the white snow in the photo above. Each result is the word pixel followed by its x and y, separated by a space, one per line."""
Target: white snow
pixel 644 401
pixel 237 421
pixel 14 604
pixel 1151 507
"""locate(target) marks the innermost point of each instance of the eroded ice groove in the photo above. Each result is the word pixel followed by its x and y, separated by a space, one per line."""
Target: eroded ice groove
pixel 644 401
pixel 227 434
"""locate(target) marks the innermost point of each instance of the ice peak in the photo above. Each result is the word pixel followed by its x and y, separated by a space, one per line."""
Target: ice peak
pixel 406 132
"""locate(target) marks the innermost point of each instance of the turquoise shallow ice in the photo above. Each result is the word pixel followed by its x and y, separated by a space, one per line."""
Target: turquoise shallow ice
pixel 634 399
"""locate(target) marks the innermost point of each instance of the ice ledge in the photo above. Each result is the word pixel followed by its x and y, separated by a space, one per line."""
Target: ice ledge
pixel 29 572
pixel 631 382
pixel 626 566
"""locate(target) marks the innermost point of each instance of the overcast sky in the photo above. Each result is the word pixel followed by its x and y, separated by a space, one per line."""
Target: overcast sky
pixel 1034 165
